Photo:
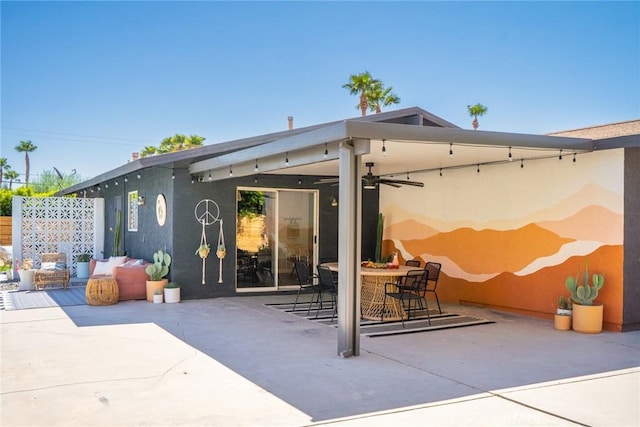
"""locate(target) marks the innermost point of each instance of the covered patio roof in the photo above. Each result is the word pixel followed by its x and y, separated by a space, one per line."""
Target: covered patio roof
pixel 396 150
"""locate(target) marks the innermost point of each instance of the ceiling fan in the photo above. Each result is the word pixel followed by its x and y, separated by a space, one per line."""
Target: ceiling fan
pixel 371 181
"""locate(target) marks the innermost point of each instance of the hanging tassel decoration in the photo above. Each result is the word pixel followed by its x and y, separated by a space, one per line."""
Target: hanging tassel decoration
pixel 222 250
pixel 203 251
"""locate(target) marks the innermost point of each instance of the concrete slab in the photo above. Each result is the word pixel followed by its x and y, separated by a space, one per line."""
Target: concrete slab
pixel 236 362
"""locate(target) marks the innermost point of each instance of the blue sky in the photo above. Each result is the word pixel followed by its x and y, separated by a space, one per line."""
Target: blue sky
pixel 91 82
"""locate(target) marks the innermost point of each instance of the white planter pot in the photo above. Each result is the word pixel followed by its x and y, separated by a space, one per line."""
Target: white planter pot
pixel 563 312
pixel 82 270
pixel 171 295
pixel 157 299
pixel 26 280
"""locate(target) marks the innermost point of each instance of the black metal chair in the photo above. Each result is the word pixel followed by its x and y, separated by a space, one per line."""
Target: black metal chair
pixel 328 285
pixel 307 282
pixel 432 283
pixel 408 288
pixel 412 263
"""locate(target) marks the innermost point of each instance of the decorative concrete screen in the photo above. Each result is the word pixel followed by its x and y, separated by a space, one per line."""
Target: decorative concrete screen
pixel 57 224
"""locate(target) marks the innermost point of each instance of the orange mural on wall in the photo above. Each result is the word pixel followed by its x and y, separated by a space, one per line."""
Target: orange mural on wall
pixel 519 263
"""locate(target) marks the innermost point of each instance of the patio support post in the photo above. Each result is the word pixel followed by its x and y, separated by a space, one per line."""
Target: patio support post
pixel 349 248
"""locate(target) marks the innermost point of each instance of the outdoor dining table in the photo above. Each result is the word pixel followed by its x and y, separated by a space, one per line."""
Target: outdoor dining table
pixel 372 282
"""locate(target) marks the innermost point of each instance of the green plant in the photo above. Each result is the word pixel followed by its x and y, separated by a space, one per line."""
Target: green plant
pixel 171 285
pixel 584 294
pixel 157 292
pixel 83 257
pixel 115 249
pixel 160 266
pixel 564 303
pixel 379 230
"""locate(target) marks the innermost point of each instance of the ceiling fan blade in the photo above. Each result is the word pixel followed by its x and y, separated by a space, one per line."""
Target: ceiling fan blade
pixel 326 181
pixel 401 182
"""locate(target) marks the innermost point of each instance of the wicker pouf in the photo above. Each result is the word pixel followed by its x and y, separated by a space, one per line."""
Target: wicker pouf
pixel 102 291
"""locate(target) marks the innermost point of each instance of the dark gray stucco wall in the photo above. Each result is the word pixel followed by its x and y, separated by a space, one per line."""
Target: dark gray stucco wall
pixel 631 292
pixel 187 266
pixel 150 236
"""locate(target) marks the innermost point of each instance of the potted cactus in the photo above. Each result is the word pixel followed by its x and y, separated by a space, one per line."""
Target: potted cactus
pixel 562 318
pixel 587 316
pixel 157 272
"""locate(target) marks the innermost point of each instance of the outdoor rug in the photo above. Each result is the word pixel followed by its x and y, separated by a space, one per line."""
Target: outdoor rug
pixel 373 328
pixel 18 300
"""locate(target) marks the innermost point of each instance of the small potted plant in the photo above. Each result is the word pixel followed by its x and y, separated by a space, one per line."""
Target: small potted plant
pixel 587 316
pixel 157 296
pixel 172 293
pixel 203 250
pixel 562 318
pixel 82 266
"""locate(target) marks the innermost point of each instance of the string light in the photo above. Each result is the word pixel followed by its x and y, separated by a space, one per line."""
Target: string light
pixel 574 158
pixel 126 178
pixel 210 176
pixel 510 156
pixel 116 183
pixel 255 169
pixel 138 176
pixel 521 163
pixel 478 168
pixel 384 148
pixel 193 180
pixel 440 171
pixel 560 156
pixel 299 181
pixel 326 152
pixel 286 160
pixel 451 150
pixel 230 171
pixel 106 185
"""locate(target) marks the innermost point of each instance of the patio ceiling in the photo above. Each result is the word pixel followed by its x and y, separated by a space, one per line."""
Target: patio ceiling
pixel 407 149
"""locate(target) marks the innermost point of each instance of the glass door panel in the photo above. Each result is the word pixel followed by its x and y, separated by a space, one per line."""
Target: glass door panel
pixel 296 231
pixel 256 239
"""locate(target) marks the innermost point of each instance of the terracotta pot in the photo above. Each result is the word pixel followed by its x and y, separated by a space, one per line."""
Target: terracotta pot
pixel 587 319
pixel 152 285
pixel 562 322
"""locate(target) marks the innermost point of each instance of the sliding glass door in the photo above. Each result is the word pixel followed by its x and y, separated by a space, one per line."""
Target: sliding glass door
pixel 275 227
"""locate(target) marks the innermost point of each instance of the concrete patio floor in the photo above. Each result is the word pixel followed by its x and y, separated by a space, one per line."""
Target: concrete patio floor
pixel 236 362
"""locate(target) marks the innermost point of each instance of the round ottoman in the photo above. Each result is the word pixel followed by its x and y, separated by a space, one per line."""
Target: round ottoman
pixel 102 291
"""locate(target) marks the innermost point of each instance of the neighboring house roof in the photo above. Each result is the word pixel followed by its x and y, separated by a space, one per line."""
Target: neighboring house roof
pixel 629 127
pixel 606 136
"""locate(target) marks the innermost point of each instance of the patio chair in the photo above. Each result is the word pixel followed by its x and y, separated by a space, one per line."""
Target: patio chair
pixel 53 269
pixel 412 263
pixel 307 283
pixel 408 288
pixel 432 284
pixel 328 285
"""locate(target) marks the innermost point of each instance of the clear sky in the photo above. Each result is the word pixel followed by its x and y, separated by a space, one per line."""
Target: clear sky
pixel 91 82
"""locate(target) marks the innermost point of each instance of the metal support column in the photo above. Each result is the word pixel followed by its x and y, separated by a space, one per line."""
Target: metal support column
pixel 349 248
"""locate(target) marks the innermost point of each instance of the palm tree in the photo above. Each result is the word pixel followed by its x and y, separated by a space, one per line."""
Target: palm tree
pixel 476 111
pixel 378 94
pixel 11 176
pixel 174 143
pixel 361 84
pixel 3 165
pixel 148 151
pixel 26 147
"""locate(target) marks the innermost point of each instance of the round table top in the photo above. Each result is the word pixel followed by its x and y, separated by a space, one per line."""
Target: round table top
pixel 389 272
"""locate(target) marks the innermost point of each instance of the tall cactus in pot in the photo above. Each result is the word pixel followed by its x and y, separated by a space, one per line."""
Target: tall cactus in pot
pixel 584 294
pixel 160 266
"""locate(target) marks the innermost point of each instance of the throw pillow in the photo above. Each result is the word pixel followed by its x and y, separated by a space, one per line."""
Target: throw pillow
pixel 102 268
pixel 48 266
